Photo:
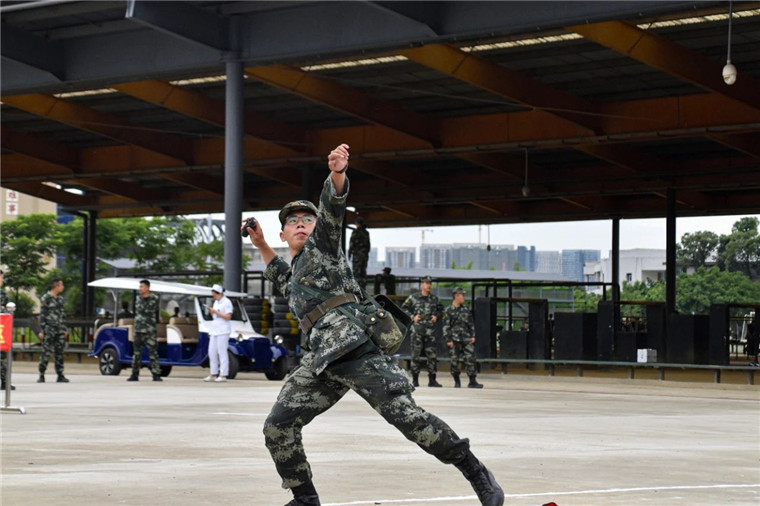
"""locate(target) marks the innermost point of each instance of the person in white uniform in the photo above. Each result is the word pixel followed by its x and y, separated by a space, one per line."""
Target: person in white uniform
pixel 221 313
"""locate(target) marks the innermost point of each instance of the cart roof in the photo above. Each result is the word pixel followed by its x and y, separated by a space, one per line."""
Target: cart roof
pixel 158 286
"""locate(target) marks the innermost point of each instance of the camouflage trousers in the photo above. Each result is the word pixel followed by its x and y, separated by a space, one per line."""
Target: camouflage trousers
pixel 359 268
pixel 3 365
pixel 148 339
pixel 463 353
pixel 52 344
pixel 424 340
pixel 383 384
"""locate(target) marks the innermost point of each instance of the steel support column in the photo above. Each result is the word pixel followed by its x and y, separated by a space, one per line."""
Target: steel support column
pixel 615 260
pixel 90 261
pixel 670 253
pixel 233 175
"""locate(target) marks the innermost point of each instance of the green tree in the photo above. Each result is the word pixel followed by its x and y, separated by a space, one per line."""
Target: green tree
pixel 695 249
pixel 586 302
pixel 740 251
pixel 28 244
pixel 696 292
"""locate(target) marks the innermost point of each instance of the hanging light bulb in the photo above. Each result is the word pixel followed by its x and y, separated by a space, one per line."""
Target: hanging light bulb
pixel 729 71
pixel 526 188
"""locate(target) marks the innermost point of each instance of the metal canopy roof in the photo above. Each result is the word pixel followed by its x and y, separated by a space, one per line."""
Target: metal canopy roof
pixel 612 103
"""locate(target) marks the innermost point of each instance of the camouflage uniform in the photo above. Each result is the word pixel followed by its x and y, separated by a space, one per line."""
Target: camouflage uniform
pixel 52 316
pixel 146 312
pixel 459 328
pixel 341 356
pixel 3 355
pixel 358 252
pixel 422 332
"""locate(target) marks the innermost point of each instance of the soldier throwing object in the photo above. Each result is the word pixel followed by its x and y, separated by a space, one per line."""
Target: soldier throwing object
pixel 53 334
pixel 341 356
pixel 146 314
pixel 424 309
pixel 459 331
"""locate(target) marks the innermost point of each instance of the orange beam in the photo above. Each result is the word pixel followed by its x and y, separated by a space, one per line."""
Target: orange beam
pixel 107 125
pixel 501 81
pixel 671 58
pixel 348 100
pixel 197 105
pixel 38 147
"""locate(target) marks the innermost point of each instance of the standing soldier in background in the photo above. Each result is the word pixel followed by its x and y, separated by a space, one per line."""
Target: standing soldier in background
pixel 459 331
pixel 146 314
pixel 358 251
pixel 3 355
pixel 53 334
pixel 424 309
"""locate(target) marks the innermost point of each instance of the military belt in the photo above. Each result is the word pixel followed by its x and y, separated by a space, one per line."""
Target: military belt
pixel 308 321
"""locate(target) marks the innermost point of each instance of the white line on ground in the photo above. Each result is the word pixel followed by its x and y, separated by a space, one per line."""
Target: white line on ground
pixel 225 413
pixel 552 494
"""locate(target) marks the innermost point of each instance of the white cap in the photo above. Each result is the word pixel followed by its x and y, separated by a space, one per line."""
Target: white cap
pixel 217 288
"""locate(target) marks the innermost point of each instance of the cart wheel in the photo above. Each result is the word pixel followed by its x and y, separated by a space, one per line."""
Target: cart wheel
pixel 108 362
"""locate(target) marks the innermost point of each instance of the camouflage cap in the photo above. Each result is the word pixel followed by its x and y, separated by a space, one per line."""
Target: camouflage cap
pixel 426 279
pixel 296 205
pixel 456 290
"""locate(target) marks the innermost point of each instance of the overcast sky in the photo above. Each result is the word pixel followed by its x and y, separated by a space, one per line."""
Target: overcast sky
pixel 596 235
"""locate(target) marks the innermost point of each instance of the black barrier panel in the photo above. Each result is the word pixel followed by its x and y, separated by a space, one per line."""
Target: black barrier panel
pixel 687 338
pixel 655 339
pixel 485 327
pixel 575 336
pixel 626 344
pixel 718 346
pixel 513 344
pixel 539 345
pixel 606 330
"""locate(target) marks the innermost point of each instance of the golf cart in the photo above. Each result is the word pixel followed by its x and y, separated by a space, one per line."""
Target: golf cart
pixel 183 340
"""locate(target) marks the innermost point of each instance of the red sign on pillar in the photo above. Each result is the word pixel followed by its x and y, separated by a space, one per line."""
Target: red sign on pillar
pixel 6 332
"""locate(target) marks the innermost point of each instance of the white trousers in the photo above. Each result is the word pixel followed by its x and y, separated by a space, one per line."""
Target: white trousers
pixel 217 352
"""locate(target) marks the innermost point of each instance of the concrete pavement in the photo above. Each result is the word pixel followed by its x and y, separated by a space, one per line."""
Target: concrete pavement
pixel 586 441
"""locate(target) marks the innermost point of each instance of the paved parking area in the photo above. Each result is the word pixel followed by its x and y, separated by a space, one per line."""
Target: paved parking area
pixel 584 441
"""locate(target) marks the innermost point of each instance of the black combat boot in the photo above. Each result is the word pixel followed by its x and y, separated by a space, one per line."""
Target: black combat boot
pixel 457 383
pixel 134 377
pixel 41 379
pixel 62 379
pixel 157 377
pixel 432 382
pixel 488 491
pixel 474 383
pixel 3 387
pixel 416 379
pixel 304 495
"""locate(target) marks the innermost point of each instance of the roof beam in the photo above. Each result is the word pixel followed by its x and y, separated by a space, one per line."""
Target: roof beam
pixel 347 100
pixel 38 147
pixel 197 105
pixel 205 182
pixel 671 58
pixel 127 189
pixel 184 21
pixel 24 47
pixel 623 155
pixel 107 125
pixel 748 143
pixel 47 192
pixel 506 83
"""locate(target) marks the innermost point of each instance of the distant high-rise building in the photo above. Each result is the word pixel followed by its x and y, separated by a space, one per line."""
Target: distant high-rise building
pixel 549 262
pixel 526 257
pixel 574 259
pixel 401 257
pixel 435 256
